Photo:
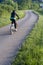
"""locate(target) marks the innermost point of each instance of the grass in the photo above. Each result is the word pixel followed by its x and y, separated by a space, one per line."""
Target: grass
pixel 31 52
pixel 5 18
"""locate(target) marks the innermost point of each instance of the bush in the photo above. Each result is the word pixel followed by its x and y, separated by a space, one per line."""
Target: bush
pixel 35 6
pixel 40 11
pixel 6 7
pixel 11 3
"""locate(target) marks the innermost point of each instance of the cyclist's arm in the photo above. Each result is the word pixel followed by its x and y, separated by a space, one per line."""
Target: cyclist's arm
pixel 17 15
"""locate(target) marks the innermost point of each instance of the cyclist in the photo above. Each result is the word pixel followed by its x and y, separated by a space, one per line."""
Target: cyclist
pixel 13 19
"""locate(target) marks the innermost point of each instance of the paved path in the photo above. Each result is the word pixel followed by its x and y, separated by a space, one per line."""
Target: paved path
pixel 9 44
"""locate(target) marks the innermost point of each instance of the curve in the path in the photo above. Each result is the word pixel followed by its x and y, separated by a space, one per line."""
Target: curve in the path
pixel 9 44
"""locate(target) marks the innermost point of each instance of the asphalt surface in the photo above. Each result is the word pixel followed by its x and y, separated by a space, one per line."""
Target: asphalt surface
pixel 9 44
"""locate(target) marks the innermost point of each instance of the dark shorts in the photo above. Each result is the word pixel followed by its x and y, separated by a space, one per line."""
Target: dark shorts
pixel 13 21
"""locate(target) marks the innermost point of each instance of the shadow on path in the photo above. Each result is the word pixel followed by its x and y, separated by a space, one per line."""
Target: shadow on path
pixel 5 33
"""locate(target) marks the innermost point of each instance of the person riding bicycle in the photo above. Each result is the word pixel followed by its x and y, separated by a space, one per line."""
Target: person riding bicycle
pixel 13 19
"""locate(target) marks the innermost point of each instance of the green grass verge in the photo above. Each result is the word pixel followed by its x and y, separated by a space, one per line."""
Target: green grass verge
pixel 5 18
pixel 31 52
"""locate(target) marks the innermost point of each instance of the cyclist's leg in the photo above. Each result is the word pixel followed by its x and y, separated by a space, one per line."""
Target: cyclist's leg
pixel 12 22
pixel 11 27
pixel 15 24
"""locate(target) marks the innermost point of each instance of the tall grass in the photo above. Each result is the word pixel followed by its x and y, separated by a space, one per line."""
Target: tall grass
pixel 31 52
pixel 4 19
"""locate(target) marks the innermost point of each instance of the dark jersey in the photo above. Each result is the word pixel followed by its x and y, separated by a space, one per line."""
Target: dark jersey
pixel 13 14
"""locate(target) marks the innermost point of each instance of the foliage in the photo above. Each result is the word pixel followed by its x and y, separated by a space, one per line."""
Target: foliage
pixel 40 11
pixel 35 6
pixel 22 4
pixel 28 4
pixel 5 7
